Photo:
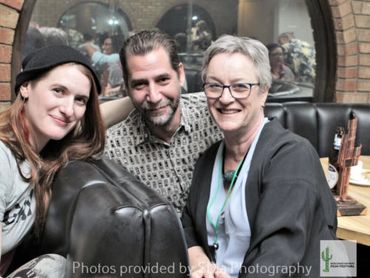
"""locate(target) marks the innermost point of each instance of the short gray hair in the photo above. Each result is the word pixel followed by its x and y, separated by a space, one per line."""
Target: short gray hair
pixel 251 48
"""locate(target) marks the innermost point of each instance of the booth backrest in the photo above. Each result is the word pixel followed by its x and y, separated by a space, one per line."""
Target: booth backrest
pixel 101 216
pixel 317 122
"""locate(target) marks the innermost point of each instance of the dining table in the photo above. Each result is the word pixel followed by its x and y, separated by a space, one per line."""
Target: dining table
pixel 356 227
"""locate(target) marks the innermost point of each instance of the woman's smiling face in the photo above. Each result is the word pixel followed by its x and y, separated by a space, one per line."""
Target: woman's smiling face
pixel 230 114
pixel 55 103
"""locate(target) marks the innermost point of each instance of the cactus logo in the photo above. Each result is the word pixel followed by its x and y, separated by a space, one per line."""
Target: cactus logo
pixel 326 257
pixel 338 258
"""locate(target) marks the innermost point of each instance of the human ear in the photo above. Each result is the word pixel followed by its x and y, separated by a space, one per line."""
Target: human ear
pixel 181 74
pixel 263 94
pixel 24 90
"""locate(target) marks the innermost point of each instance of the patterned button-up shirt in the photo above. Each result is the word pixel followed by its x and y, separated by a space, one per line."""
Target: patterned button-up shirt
pixel 165 167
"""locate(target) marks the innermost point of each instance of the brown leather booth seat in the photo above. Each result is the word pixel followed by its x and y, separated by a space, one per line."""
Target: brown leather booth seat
pixel 109 224
pixel 317 122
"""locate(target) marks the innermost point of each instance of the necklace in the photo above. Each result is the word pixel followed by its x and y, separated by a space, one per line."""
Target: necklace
pixel 232 176
pixel 225 178
pixel 228 176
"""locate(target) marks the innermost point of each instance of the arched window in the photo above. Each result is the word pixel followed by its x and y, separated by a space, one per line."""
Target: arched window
pixel 94 19
pixel 184 17
pixel 309 21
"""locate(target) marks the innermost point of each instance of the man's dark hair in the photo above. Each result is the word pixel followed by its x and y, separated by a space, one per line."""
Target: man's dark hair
pixel 144 42
pixel 272 46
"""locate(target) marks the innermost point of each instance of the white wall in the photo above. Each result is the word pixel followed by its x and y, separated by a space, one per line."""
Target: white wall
pixel 293 17
pixel 266 19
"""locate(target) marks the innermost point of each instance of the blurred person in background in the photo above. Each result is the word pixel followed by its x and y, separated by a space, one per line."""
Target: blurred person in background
pixel 201 36
pixel 34 40
pixel 107 63
pixel 54 36
pixel 299 56
pixel 279 71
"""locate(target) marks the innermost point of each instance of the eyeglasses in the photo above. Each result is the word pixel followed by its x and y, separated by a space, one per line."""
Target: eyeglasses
pixel 237 90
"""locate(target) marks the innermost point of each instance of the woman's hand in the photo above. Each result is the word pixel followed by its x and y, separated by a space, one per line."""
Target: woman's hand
pixel 220 273
pixel 201 266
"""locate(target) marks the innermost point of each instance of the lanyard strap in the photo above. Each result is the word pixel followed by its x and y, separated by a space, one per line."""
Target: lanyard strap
pixel 215 225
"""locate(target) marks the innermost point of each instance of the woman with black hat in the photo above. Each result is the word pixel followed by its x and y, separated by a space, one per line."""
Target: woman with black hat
pixel 55 118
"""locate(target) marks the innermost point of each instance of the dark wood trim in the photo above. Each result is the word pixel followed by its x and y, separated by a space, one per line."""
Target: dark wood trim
pixel 326 50
pixel 19 39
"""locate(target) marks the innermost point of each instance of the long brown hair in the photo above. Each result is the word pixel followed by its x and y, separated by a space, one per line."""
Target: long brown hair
pixel 82 143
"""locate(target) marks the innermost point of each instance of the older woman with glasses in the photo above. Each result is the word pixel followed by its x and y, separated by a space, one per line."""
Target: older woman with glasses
pixel 259 200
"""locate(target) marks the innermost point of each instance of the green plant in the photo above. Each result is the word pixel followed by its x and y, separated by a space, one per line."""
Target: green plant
pixel 326 257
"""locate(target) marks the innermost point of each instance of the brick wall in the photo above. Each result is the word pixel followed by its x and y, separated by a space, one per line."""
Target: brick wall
pixel 351 20
pixel 352 28
pixel 9 14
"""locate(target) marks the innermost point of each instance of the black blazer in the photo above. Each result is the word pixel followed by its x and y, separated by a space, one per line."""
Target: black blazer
pixel 289 204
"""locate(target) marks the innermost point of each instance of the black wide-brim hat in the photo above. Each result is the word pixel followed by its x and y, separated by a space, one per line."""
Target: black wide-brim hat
pixel 44 59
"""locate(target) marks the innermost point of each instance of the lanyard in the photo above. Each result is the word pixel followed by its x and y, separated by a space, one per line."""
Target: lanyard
pixel 216 224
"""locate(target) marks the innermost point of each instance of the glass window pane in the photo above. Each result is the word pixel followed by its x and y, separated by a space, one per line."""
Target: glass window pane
pixel 282 25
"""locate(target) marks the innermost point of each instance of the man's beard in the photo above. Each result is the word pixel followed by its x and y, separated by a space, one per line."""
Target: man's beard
pixel 162 120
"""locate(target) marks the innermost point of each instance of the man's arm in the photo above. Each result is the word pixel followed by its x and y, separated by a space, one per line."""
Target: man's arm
pixel 115 111
pixel 89 48
pixel 97 57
